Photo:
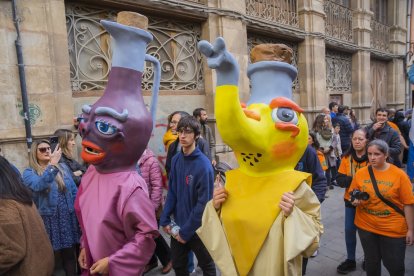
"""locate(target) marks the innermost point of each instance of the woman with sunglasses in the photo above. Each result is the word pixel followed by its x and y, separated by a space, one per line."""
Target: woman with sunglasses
pixel 54 194
pixel 67 145
pixel 385 213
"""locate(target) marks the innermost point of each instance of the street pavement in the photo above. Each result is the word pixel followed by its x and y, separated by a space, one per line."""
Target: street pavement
pixel 332 250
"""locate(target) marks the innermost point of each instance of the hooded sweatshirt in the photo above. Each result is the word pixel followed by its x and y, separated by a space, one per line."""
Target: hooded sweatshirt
pixel 191 183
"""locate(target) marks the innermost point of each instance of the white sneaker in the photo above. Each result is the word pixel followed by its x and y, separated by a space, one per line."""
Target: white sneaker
pixel 314 254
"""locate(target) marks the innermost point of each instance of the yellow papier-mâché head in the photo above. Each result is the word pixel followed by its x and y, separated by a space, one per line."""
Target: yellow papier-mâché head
pixel 266 138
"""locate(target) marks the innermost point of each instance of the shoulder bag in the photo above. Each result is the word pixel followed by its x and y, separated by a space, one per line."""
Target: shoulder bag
pixel 386 201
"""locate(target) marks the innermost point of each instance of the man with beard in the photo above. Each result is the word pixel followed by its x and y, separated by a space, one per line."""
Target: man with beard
pixel 201 115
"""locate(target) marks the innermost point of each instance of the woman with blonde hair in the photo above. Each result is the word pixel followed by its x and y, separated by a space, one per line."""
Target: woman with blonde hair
pixel 54 193
pixel 67 143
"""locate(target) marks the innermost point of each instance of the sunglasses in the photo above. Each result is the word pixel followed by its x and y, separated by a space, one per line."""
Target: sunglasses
pixel 43 150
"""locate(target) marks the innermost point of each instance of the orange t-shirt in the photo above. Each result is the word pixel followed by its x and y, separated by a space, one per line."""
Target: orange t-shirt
pixel 374 215
pixel 350 169
pixel 322 160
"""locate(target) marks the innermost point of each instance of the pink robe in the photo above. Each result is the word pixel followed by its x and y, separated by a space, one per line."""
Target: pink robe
pixel 117 220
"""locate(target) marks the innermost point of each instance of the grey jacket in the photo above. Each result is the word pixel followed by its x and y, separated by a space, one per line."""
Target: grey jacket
pixel 207 134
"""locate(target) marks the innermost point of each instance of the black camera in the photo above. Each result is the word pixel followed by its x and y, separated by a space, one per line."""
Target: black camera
pixel 357 194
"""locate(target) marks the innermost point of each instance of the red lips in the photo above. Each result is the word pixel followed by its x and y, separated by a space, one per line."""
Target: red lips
pixel 92 153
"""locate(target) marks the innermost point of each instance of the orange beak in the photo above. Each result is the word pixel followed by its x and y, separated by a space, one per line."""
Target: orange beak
pixel 288 127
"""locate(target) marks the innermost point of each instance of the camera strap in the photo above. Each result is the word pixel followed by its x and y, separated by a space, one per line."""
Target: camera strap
pixel 386 201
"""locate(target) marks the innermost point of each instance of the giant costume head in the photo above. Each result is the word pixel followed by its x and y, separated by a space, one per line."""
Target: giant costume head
pixel 268 136
pixel 117 128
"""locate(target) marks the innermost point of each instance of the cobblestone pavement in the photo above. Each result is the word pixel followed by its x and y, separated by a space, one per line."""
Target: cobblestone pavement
pixel 332 250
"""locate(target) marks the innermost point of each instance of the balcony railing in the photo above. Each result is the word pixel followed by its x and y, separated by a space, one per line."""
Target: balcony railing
pixel 338 22
pixel 380 36
pixel 277 11
pixel 203 2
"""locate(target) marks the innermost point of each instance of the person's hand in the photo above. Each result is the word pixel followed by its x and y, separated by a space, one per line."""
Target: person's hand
pixel 287 203
pixel 409 238
pixel 214 163
pixel 377 125
pixel 100 267
pixel 55 156
pixel 82 259
pixel 167 229
pixel 179 239
pixel 356 202
pixel 78 173
pixel 219 197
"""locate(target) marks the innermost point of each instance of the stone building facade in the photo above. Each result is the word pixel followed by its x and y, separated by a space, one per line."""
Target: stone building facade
pixel 350 51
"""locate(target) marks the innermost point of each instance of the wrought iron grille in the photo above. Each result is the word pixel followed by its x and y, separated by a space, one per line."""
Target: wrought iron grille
pixel 279 11
pixel 338 23
pixel 253 40
pixel 174 44
pixel 338 71
pixel 380 36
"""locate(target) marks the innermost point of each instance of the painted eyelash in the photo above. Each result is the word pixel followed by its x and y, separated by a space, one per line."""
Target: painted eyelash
pixel 106 122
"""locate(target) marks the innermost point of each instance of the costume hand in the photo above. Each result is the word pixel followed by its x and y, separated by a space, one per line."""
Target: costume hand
pixel 220 59
pixel 78 173
pixel 101 266
pixel 167 229
pixel 287 203
pixel 55 156
pixel 83 263
pixel 179 239
pixel 219 197
pixel 409 238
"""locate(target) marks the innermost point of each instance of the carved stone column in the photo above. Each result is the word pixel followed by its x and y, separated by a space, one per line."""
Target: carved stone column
pixel 311 63
pixel 397 9
pixel 361 60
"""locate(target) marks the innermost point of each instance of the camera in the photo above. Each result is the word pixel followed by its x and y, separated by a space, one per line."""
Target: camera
pixel 174 228
pixel 357 194
pixel 54 140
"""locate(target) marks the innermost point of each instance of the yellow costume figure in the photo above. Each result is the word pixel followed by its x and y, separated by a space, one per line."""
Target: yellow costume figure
pixel 249 235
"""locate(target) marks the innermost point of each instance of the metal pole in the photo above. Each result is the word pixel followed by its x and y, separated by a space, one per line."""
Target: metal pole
pixel 22 77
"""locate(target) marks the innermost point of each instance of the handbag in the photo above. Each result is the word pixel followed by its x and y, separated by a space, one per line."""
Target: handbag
pixel 386 201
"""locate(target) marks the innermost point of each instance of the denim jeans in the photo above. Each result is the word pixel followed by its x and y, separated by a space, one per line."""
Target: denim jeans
pixel 350 233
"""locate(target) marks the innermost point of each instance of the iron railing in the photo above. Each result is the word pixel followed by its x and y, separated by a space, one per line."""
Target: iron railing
pixel 277 11
pixel 380 36
pixel 338 22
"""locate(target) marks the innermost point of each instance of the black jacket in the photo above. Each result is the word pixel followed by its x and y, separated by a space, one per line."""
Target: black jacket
pixel 391 137
pixel 74 166
pixel 309 163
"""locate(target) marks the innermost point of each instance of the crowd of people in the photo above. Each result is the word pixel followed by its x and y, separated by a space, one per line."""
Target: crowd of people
pixel 366 161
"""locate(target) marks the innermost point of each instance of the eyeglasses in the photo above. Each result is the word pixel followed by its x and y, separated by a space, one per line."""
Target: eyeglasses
pixel 185 131
pixel 43 150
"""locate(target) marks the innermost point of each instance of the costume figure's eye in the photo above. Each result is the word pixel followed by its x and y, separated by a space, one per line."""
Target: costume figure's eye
pixel 284 115
pixel 105 128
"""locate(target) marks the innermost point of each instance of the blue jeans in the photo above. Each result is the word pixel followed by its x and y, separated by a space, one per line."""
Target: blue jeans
pixel 350 233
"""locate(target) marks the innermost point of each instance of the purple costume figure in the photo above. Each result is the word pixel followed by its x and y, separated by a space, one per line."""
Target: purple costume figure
pixel 115 213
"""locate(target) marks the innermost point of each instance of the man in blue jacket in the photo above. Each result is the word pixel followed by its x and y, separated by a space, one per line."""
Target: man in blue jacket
pixel 191 183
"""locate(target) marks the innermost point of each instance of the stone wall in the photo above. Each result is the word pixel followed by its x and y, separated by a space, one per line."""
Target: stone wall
pixel 44 42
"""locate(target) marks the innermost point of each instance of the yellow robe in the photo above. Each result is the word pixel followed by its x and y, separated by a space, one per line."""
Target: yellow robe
pixel 287 241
